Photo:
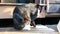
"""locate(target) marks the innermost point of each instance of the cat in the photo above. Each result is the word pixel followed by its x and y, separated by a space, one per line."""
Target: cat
pixel 23 16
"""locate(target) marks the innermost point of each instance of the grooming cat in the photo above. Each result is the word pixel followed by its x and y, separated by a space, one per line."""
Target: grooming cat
pixel 23 15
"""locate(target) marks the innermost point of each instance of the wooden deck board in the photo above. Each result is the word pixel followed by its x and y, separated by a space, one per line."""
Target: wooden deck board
pixel 11 30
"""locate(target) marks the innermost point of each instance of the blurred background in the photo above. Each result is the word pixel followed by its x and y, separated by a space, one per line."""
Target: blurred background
pixel 6 15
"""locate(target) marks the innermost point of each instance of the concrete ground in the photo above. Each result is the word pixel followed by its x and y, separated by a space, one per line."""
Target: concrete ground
pixel 39 29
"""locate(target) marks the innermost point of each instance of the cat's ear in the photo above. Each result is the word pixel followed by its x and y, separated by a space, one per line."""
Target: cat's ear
pixel 37 5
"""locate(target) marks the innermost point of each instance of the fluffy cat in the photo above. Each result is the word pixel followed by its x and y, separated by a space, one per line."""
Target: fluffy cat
pixel 23 15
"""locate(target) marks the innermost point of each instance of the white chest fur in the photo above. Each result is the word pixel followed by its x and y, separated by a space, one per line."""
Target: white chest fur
pixel 27 27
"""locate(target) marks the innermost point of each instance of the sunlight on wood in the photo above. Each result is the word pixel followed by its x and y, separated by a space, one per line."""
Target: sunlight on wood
pixel 6 11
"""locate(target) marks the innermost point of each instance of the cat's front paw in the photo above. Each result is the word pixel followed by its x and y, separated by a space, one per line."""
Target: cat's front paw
pixel 27 27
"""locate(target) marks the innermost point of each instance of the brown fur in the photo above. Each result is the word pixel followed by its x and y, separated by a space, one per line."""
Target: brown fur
pixel 27 15
pixel 27 10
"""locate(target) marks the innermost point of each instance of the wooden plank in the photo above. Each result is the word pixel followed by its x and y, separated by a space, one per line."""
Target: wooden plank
pixel 11 4
pixel 26 33
pixel 8 1
pixel 10 30
pixel 6 11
